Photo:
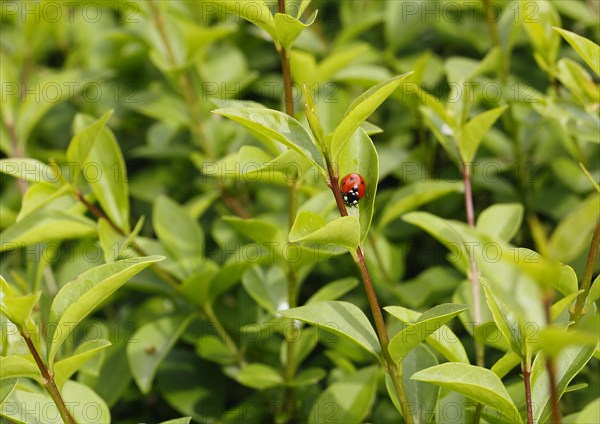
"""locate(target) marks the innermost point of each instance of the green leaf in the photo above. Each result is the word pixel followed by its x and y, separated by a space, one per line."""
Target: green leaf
pixel 476 383
pixel 180 234
pixel 79 297
pixel 65 368
pixel 333 290
pixel 259 14
pixel 312 117
pixel 17 308
pixel 154 341
pixel 472 133
pixel 310 227
pixel 506 364
pixel 421 396
pixel 590 413
pixel 104 170
pixel 201 398
pixel 428 323
pixel 587 49
pixel 212 348
pixel 562 246
pixel 449 233
pixel 359 156
pixel 280 127
pixel 269 290
pixel 30 170
pixel 64 85
pixel 569 362
pixel 256 229
pixel 507 321
pixel 14 366
pixel 288 28
pixel 552 340
pixel 359 111
pixel 501 220
pixel 308 377
pixel 183 420
pixel 259 376
pixel 81 397
pixel 341 318
pixel 412 196
pixel 348 400
pixel 83 142
pixel 45 225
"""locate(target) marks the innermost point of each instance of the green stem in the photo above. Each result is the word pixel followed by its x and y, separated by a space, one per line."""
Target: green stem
pixel 551 366
pixel 490 22
pixel 474 272
pixel 220 329
pixel 586 281
pixel 473 277
pixel 393 369
pixel 292 284
pixel 526 369
pixel 48 382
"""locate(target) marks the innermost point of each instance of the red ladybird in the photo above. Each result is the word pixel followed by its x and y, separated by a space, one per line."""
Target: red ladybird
pixel 353 188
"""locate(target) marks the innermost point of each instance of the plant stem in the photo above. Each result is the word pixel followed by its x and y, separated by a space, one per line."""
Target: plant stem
pixel 586 281
pixel 48 381
pixel 551 366
pixel 290 365
pixel 216 323
pixel 474 273
pixel 473 277
pixel 487 9
pixel 526 369
pixel 395 370
pixel 101 215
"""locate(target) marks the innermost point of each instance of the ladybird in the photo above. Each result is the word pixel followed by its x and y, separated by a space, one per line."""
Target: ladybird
pixel 353 189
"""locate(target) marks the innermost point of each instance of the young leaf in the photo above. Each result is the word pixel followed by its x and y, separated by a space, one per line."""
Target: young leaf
pixel 259 376
pixel 258 230
pixel 507 321
pixel 569 362
pixel 44 225
pixel 288 28
pixel 180 235
pixel 17 308
pixel 474 382
pixel 14 366
pixel 587 49
pixel 107 177
pixel 333 290
pixel 581 220
pixel 359 156
pixel 341 318
pixel 154 341
pixel 78 298
pixel 421 396
pixel 473 132
pixel 352 396
pixel 359 111
pixel 280 127
pixel 269 290
pixel 83 142
pixel 31 170
pixel 427 324
pixel 501 220
pixel 414 195
pixel 259 14
pixel 310 227
pixel 65 368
